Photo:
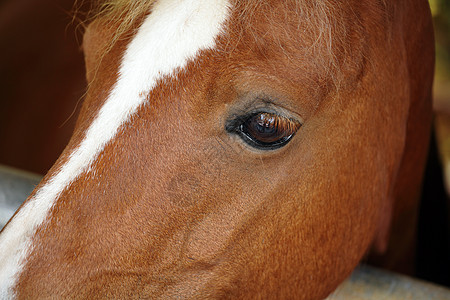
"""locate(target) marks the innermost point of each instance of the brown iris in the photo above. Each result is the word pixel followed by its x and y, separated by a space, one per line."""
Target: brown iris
pixel 267 130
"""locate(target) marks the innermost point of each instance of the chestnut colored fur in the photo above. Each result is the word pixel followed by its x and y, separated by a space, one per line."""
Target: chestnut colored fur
pixel 175 206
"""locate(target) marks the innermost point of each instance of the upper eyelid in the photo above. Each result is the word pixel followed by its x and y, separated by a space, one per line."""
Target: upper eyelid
pixel 243 114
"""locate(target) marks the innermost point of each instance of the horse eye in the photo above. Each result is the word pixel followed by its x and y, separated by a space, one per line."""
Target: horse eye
pixel 267 131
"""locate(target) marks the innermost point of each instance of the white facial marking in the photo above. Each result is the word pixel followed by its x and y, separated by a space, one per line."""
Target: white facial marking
pixel 172 34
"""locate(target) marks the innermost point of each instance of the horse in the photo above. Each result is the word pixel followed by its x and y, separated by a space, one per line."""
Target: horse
pixel 231 149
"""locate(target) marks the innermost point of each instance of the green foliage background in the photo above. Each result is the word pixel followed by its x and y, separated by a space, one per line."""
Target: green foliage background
pixel 441 18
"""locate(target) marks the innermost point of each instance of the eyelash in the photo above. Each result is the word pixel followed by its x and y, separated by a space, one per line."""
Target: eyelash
pixel 264 130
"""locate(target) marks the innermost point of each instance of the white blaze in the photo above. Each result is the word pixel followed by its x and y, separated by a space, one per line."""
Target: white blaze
pixel 171 35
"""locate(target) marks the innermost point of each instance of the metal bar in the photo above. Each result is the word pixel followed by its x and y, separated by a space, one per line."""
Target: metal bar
pixel 368 283
pixel 15 186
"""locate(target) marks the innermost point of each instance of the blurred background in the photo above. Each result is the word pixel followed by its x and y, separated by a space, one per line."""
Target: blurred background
pixel 41 81
pixel 433 250
pixel 42 84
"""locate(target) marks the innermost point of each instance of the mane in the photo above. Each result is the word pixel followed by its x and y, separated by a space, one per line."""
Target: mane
pixel 326 24
pixel 124 10
pixel 121 12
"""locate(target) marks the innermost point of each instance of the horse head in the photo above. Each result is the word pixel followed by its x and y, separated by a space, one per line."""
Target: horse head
pixel 230 148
